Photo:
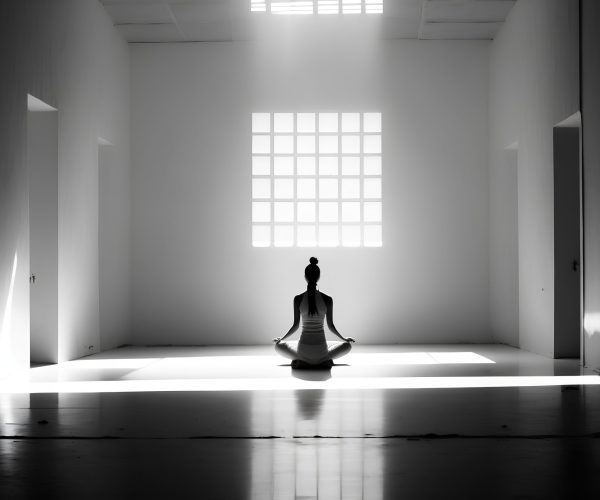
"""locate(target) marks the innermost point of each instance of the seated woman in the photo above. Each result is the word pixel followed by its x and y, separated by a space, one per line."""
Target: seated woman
pixel 312 349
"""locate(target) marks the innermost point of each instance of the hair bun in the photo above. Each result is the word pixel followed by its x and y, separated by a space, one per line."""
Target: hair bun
pixel 314 260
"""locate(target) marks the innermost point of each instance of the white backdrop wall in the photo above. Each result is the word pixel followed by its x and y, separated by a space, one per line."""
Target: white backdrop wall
pixel 590 16
pixel 196 277
pixel 66 53
pixel 534 85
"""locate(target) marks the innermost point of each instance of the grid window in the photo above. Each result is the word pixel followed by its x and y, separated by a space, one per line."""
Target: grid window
pixel 322 7
pixel 316 179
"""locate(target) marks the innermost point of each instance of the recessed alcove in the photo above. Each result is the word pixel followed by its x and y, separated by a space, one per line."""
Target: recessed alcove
pixel 42 163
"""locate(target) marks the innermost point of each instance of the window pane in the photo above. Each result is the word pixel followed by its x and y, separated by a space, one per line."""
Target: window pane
pixel 307 236
pixel 372 188
pixel 350 122
pixel 372 236
pixel 372 144
pixel 306 122
pixel 284 236
pixel 261 123
pixel 258 6
pixel 261 144
pixel 261 188
pixel 328 122
pixel 328 236
pixel 328 188
pixel 283 122
pixel 306 144
pixel 374 6
pixel 351 211
pixel 372 211
pixel 372 165
pixel 372 122
pixel 306 211
pixel 283 144
pixel 350 144
pixel 261 165
pixel 306 165
pixel 283 165
pixel 351 236
pixel 261 236
pixel 306 188
pixel 298 7
pixel 328 7
pixel 261 211
pixel 328 212
pixel 350 188
pixel 350 165
pixel 328 144
pixel 352 6
pixel 284 188
pixel 284 211
pixel 328 165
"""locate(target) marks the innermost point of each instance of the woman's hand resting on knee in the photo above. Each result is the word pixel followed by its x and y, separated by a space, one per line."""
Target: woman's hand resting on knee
pixel 277 340
pixel 349 339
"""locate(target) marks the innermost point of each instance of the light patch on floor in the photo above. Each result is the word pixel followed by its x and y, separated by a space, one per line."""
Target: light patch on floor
pixel 259 369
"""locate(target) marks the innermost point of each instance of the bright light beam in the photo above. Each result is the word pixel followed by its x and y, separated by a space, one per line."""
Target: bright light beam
pixel 108 364
pixel 5 361
pixel 290 383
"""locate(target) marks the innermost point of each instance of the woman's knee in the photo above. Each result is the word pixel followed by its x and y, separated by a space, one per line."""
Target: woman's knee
pixel 285 349
pixel 341 349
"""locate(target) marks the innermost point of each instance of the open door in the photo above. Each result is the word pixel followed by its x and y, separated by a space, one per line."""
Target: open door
pixel 567 239
pixel 42 150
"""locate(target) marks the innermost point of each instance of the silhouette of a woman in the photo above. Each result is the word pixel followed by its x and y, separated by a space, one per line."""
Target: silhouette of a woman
pixel 312 348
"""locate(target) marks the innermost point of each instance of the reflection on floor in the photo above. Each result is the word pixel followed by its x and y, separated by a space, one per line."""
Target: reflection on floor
pixel 474 421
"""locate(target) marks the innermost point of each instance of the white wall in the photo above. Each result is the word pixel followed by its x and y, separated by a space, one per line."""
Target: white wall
pixel 66 53
pixel 533 86
pixel 114 243
pixel 590 16
pixel 196 278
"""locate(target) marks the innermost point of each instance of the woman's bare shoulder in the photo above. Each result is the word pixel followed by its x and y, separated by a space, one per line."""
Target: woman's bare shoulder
pixel 326 298
pixel 298 298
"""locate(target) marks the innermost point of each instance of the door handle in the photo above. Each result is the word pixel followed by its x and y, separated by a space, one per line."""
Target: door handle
pixel 575 265
pixel 32 279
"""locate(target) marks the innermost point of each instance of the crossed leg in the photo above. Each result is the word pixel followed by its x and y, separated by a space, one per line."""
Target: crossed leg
pixel 334 350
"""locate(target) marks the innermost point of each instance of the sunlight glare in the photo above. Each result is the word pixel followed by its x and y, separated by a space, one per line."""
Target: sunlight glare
pixel 286 383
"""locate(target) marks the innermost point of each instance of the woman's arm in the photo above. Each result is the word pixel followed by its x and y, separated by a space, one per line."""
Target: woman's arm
pixel 330 325
pixel 294 327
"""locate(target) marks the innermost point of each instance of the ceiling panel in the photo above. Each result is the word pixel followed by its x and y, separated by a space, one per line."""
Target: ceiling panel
pixel 210 20
pixel 150 32
pixel 466 11
pixel 139 13
pixel 459 31
pixel 219 31
pixel 201 12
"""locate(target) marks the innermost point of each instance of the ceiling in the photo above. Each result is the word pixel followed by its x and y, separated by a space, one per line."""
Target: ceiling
pixel 151 21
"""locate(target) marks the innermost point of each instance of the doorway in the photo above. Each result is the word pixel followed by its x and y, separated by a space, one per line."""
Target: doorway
pixel 42 158
pixel 568 289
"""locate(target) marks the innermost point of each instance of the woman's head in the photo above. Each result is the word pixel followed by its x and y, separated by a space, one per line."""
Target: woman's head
pixel 312 273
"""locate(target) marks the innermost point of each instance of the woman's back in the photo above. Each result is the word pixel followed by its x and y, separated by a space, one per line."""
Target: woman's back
pixel 313 323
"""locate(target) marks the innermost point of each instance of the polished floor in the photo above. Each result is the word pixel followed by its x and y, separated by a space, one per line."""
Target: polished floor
pixel 387 422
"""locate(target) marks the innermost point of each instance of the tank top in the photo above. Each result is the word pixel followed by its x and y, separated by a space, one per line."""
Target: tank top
pixel 312 326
